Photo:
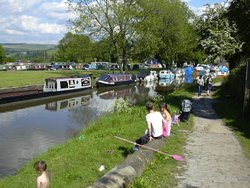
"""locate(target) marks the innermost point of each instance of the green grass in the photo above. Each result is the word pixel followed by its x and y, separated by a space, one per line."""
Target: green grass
pixel 24 78
pixel 76 162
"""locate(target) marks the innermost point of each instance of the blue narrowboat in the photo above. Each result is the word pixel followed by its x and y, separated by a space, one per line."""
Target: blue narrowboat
pixel 115 80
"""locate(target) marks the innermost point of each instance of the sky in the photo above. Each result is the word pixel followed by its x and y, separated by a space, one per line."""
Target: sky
pixel 45 21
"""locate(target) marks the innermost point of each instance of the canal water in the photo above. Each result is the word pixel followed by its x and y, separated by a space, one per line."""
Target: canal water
pixel 31 127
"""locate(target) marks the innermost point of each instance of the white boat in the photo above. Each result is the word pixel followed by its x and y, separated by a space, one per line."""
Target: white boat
pixel 166 74
pixel 151 77
pixel 67 84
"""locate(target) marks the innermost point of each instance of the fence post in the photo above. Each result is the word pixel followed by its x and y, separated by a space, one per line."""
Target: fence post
pixel 246 103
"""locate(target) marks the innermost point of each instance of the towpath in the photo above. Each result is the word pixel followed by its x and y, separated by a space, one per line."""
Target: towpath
pixel 214 157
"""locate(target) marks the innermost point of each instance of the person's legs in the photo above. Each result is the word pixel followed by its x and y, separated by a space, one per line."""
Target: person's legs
pixel 209 87
pixel 199 90
pixel 143 140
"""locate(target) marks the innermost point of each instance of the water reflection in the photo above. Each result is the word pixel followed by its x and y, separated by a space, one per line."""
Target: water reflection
pixel 68 103
pixel 29 130
pixel 166 82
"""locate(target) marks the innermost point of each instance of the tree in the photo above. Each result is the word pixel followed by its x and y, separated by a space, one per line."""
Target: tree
pixel 239 14
pixel 111 19
pixel 217 36
pixel 2 54
pixel 165 31
pixel 75 48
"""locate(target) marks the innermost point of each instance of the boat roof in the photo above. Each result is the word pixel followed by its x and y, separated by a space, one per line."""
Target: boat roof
pixel 68 77
pixel 116 74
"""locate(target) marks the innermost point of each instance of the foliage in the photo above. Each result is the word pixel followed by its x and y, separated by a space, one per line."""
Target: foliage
pixel 234 85
pixel 75 48
pixel 217 36
pixel 164 31
pixel 2 54
pixel 239 14
pixel 102 51
pixel 122 106
pixel 106 19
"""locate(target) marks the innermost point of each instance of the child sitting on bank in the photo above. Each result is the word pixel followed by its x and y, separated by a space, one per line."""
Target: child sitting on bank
pixel 42 180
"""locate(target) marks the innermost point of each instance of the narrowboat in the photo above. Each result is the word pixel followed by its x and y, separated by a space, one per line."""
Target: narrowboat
pixel 52 87
pixel 63 84
pixel 115 80
pixel 142 74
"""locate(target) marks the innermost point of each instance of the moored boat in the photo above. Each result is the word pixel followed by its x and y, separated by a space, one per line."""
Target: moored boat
pixel 62 84
pixel 151 77
pixel 166 74
pixel 52 87
pixel 115 80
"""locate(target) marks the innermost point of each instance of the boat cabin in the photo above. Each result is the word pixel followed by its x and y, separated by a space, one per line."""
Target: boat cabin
pixel 67 83
pixel 115 79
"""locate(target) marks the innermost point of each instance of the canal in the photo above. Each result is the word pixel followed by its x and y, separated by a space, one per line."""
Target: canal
pixel 31 127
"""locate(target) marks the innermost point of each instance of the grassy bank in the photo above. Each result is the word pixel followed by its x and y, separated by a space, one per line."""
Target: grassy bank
pixel 76 162
pixel 24 78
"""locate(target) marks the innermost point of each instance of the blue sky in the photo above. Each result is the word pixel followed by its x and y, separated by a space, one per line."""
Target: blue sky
pixel 45 21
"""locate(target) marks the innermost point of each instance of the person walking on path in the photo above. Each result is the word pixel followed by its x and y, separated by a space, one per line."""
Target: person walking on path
pixel 214 157
pixel 200 83
pixel 209 82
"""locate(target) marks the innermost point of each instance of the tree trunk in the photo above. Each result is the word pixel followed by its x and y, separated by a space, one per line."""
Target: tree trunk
pixel 246 104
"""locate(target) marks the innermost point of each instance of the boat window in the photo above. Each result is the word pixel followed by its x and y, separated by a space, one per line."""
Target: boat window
pixel 71 83
pixel 85 82
pixel 64 84
pixel 104 77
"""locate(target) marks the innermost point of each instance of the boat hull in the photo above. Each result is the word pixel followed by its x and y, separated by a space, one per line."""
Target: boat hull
pixel 37 94
pixel 113 84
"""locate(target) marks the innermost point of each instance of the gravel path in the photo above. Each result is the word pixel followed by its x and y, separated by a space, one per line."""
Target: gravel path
pixel 214 157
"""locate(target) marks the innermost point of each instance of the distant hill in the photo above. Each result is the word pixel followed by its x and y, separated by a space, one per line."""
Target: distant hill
pixel 26 51
pixel 27 47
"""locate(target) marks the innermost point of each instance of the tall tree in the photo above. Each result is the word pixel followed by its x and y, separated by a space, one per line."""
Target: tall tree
pixel 239 14
pixel 165 31
pixel 75 48
pixel 106 19
pixel 217 36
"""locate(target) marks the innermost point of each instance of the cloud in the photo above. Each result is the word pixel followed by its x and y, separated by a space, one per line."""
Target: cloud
pixel 33 20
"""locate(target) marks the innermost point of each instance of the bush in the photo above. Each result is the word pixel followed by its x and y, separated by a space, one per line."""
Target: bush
pixel 234 85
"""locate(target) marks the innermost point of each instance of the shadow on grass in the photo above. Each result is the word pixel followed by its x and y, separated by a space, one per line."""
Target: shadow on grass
pixel 125 151
pixel 231 112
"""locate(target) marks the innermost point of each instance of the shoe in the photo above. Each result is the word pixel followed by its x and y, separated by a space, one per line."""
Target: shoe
pixel 135 148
